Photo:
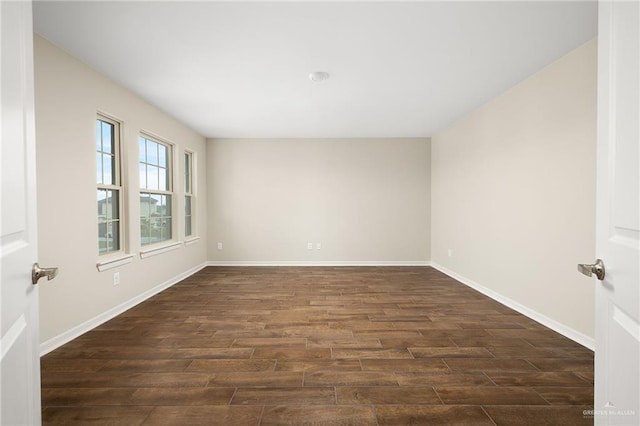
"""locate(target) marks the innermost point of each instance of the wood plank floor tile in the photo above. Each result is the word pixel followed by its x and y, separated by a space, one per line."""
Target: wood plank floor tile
pixel 450 352
pixel 260 378
pixel 448 379
pixel 371 353
pixel 68 396
pixel 386 334
pixel 536 379
pixel 227 365
pixel 291 353
pixel 349 378
pixel 562 364
pixel 285 396
pixel 432 415
pixel 195 342
pixel 98 380
pixel 411 342
pixel 319 365
pixel 111 416
pixel 204 415
pixel 211 353
pixel 528 352
pixel 431 365
pixel 557 342
pixel 344 343
pixel 321 415
pixel 146 366
pixel 378 395
pixel 582 395
pixel 249 342
pixel 487 364
pixel 489 395
pixel 76 365
pixel 450 333
pixel 491 342
pixel 588 376
pixel 539 415
pixel 182 396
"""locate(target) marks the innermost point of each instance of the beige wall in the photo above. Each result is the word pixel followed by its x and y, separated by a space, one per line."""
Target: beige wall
pixel 68 96
pixel 364 200
pixel 513 193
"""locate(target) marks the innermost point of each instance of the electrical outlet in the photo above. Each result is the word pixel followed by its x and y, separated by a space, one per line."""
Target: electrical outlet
pixel 450 252
pixel 219 246
pixel 318 246
pixel 309 246
pixel 116 278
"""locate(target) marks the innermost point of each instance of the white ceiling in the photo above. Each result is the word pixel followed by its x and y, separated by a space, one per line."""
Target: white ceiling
pixel 240 69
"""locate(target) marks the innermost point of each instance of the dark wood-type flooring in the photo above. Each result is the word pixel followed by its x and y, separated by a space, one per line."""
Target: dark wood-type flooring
pixel 319 345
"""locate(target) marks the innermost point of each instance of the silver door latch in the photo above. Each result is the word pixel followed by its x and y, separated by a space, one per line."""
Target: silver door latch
pixel 590 269
pixel 37 272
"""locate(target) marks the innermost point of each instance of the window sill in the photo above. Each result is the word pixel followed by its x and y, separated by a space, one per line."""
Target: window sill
pixel 114 262
pixel 192 240
pixel 160 249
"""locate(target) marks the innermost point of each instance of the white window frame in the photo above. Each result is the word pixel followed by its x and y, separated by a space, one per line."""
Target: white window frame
pixel 116 186
pixel 157 246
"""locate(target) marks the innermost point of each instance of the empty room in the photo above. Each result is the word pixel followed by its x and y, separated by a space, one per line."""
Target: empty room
pixel 320 213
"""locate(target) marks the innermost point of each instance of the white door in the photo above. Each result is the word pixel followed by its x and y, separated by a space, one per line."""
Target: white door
pixel 617 365
pixel 20 368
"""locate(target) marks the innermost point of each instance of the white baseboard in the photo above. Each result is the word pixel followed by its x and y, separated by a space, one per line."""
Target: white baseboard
pixel 318 263
pixel 67 336
pixel 568 332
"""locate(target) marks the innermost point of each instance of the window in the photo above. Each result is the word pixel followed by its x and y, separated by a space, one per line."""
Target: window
pixel 188 194
pixel 155 191
pixel 109 189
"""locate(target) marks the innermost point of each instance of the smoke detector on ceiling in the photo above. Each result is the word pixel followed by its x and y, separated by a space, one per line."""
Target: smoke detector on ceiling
pixel 318 76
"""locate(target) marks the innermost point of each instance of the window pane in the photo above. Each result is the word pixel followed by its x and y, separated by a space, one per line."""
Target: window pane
pixel 142 153
pixel 107 169
pixel 187 205
pixel 145 231
pixel 114 202
pixel 152 152
pixel 102 238
pixel 98 135
pixel 154 230
pixel 162 155
pixel 102 209
pixel 166 205
pixel 166 229
pixel 99 168
pixel 187 216
pixel 163 184
pixel 187 226
pixel 152 177
pixel 145 207
pixel 108 223
pixel 107 137
pixel 187 173
pixel 113 237
pixel 154 202
pixel 143 175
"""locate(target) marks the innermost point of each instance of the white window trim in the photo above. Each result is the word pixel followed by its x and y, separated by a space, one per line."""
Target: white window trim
pixel 107 264
pixel 191 240
pixel 159 249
